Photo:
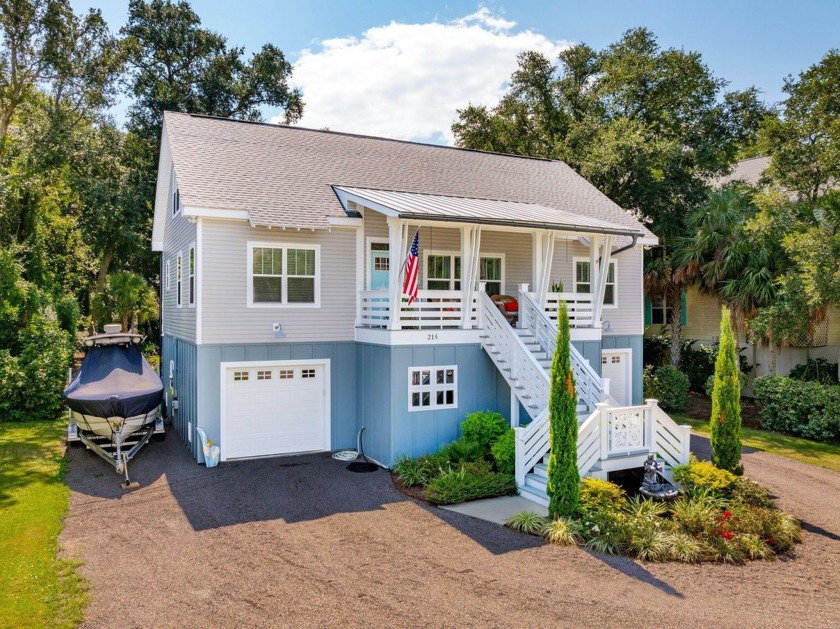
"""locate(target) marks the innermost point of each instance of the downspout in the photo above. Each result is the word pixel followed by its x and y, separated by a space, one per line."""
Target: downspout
pixel 635 237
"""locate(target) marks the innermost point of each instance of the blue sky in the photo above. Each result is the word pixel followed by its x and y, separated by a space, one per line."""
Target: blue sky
pixel 401 68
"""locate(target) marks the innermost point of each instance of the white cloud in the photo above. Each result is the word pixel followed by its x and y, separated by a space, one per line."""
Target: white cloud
pixel 406 81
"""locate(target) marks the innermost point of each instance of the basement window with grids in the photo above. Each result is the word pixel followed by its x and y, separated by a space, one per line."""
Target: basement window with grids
pixel 431 388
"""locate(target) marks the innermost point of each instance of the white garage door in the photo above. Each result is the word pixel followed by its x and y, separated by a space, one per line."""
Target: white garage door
pixel 275 409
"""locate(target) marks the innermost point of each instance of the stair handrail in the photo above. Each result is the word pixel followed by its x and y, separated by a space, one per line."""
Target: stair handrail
pixel 524 366
pixel 590 388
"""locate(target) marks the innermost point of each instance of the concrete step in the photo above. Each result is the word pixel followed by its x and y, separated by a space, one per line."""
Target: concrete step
pixel 534 495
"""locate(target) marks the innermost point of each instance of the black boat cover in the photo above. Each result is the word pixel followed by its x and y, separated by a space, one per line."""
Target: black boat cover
pixel 114 381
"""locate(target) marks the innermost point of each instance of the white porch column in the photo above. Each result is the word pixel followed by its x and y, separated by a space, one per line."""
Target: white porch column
pixel 396 255
pixel 545 271
pixel 470 247
pixel 360 271
pixel 594 243
pixel 603 270
pixel 520 320
pixel 536 259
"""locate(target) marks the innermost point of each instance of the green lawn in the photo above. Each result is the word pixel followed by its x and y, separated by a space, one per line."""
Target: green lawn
pixel 37 589
pixel 821 454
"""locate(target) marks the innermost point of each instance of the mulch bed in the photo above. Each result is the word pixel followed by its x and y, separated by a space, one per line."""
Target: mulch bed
pixel 418 493
pixel 700 407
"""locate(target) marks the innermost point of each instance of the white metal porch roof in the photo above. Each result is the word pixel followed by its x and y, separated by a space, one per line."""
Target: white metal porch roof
pixel 433 207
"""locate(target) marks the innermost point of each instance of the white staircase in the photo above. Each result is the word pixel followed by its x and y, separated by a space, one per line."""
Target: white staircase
pixel 610 437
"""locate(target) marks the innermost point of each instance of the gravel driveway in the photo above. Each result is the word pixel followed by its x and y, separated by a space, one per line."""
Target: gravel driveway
pixel 301 541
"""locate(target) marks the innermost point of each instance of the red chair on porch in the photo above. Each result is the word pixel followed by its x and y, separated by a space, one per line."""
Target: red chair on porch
pixel 508 306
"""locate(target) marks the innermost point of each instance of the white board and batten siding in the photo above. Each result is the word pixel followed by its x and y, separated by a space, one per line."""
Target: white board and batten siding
pixel 178 235
pixel 226 316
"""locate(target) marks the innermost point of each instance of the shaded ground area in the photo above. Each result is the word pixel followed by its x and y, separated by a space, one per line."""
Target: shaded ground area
pixel 700 407
pixel 300 541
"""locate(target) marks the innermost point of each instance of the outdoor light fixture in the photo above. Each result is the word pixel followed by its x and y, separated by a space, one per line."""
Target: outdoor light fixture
pixel 278 330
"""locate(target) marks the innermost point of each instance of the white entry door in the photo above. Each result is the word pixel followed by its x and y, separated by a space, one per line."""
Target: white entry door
pixel 281 407
pixel 616 365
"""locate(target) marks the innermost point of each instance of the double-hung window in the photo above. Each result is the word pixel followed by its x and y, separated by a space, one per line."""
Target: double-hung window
pixel 176 201
pixel 443 272
pixel 178 278
pixel 431 388
pixel 584 281
pixel 167 279
pixel 283 275
pixel 191 275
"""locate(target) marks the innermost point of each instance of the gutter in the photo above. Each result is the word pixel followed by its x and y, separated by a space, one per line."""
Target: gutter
pixel 622 249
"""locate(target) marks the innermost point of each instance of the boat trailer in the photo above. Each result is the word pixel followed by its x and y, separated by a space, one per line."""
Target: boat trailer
pixel 116 451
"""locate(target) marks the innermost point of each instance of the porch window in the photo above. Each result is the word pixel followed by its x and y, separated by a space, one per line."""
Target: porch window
pixel 283 275
pixel 443 272
pixel 583 281
pixel 431 388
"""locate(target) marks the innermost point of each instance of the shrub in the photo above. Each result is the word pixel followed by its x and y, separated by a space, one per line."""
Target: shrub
pixel 410 472
pixel 685 548
pixel 809 409
pixel 31 383
pixel 456 486
pixel 668 385
pixel 599 495
pixel 698 362
pixel 68 312
pixel 703 476
pixel 463 450
pixel 726 402
pixel 563 484
pixel 816 370
pixel 656 350
pixel 562 531
pixel 750 493
pixel 527 522
pixel 504 452
pixel 483 428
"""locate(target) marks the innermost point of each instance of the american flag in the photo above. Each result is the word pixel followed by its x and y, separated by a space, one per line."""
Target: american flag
pixel 410 286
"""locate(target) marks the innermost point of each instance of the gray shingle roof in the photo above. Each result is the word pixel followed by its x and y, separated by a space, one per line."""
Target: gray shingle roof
pixel 283 175
pixel 747 170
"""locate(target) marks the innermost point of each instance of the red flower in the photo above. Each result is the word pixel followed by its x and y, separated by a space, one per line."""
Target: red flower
pixel 727 514
pixel 727 535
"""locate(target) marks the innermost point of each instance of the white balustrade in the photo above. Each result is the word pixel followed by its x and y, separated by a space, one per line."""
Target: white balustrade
pixel 579 306
pixel 433 309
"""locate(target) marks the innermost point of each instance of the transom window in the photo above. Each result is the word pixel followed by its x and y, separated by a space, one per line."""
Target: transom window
pixel 583 281
pixel 283 275
pixel 443 272
pixel 432 388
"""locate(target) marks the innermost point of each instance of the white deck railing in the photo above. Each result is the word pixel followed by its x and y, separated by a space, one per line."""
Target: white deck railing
pixel 578 304
pixel 433 309
pixel 588 384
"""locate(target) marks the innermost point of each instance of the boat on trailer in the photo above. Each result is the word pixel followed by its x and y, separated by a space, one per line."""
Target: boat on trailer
pixel 114 399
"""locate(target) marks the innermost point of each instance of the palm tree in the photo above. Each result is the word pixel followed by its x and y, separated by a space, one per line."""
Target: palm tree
pixel 127 298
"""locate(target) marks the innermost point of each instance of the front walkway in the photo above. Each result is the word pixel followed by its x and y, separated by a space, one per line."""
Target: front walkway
pixel 300 541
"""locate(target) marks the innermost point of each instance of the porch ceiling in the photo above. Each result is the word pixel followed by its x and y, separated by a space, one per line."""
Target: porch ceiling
pixel 433 207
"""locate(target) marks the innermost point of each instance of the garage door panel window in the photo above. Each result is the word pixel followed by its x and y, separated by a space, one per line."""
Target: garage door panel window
pixel 284 275
pixel 431 388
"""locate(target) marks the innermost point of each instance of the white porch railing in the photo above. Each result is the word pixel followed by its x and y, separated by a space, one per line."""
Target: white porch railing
pixel 588 384
pixel 433 309
pixel 579 306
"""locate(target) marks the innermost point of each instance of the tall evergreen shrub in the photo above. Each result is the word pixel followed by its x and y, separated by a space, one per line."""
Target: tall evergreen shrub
pixel 563 476
pixel 726 402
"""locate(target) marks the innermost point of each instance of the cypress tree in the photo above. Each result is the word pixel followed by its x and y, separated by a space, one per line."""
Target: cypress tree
pixel 563 476
pixel 726 402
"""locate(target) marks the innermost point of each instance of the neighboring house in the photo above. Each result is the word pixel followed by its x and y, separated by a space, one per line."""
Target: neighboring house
pixel 282 258
pixel 701 311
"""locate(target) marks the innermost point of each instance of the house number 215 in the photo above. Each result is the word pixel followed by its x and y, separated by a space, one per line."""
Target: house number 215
pixel 431 337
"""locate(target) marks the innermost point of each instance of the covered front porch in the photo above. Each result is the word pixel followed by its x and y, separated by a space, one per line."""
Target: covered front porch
pixel 472 246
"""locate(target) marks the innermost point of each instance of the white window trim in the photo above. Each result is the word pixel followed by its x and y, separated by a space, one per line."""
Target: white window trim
pixel 285 246
pixel 179 280
pixel 432 388
pixel 577 259
pixel 457 254
pixel 368 247
pixel 191 274
pixel 167 279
